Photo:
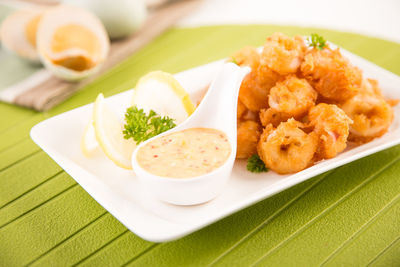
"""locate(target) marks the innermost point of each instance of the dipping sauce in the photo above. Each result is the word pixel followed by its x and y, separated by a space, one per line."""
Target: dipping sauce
pixel 188 153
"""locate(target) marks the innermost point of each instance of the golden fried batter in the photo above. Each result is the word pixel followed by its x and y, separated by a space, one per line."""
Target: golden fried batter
pixel 331 125
pixel 283 54
pixel 241 108
pixel 244 114
pixel 370 86
pixel 248 133
pixel 255 88
pixel 247 56
pixel 310 101
pixel 293 97
pixel 331 74
pixel 271 116
pixel 371 117
pixel 287 149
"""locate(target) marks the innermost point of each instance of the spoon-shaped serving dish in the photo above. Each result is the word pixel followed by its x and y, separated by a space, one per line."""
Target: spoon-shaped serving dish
pixel 217 111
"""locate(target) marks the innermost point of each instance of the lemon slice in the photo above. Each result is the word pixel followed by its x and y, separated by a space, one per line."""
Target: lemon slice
pixel 161 92
pixel 108 129
pixel 89 144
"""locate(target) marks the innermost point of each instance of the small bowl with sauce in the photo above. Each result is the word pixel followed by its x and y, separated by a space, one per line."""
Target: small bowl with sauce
pixel 191 163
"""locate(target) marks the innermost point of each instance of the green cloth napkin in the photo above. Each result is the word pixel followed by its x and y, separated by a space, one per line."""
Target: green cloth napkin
pixel 349 216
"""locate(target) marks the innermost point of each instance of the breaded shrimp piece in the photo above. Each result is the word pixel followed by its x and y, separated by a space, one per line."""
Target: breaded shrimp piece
pixel 266 77
pixel 251 94
pixel 331 74
pixel 271 116
pixel 241 109
pixel 248 134
pixel 287 149
pixel 392 102
pixel 247 56
pixel 371 117
pixel 331 124
pixel 244 114
pixel 255 88
pixel 370 86
pixel 282 53
pixel 250 116
pixel 293 96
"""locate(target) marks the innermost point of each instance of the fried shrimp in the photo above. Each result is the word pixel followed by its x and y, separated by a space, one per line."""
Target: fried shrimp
pixel 371 86
pixel 255 88
pixel 241 109
pixel 282 53
pixel 246 115
pixel 331 74
pixel 250 116
pixel 293 97
pixel 248 133
pixel 371 117
pixel 331 124
pixel 247 56
pixel 301 104
pixel 271 116
pixel 287 149
pixel 251 94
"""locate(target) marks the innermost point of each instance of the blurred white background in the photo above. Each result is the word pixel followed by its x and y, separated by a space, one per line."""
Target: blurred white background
pixel 379 18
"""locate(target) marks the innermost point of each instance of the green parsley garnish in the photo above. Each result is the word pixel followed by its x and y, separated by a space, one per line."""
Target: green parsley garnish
pixel 316 41
pixel 234 61
pixel 255 164
pixel 140 126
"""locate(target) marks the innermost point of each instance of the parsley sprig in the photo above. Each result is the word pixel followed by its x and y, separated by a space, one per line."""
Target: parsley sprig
pixel 316 41
pixel 141 126
pixel 255 164
pixel 233 60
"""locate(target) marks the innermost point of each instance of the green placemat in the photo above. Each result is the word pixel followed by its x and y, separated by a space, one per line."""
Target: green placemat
pixel 348 216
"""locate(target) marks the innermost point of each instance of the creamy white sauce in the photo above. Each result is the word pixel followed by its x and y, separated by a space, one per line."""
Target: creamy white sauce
pixel 188 153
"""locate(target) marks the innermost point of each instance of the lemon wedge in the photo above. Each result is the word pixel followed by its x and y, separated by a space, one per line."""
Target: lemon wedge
pixel 89 144
pixel 161 92
pixel 108 130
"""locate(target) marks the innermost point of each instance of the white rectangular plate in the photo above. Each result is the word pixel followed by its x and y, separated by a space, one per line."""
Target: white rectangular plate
pixel 119 191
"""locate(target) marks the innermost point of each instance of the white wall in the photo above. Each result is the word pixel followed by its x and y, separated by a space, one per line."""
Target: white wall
pixel 380 18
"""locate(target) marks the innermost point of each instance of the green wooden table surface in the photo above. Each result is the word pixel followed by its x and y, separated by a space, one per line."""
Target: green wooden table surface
pixel 348 216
